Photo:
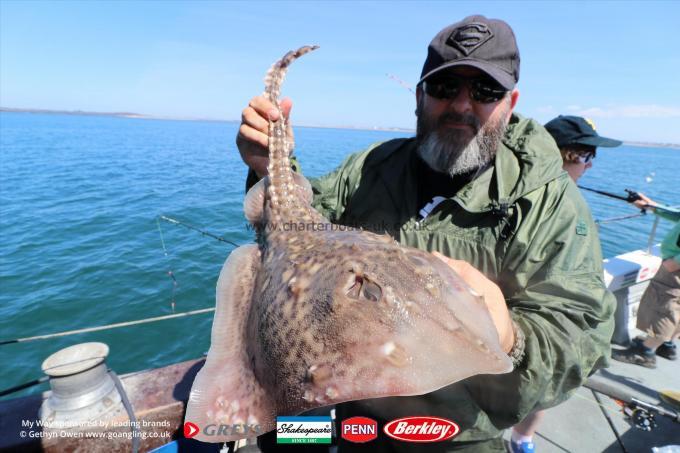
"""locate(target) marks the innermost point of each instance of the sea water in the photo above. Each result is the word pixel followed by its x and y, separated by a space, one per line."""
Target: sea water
pixel 81 244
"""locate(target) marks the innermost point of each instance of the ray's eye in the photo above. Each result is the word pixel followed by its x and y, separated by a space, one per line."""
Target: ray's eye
pixel 371 291
pixel 363 288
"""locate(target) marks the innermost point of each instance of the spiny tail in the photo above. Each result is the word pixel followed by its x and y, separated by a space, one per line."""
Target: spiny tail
pixel 274 78
pixel 280 139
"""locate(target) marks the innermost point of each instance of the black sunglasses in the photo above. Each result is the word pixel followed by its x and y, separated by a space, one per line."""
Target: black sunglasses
pixel 586 158
pixel 585 153
pixel 482 89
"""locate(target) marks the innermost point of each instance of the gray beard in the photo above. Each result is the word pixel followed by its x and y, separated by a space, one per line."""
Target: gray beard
pixel 447 150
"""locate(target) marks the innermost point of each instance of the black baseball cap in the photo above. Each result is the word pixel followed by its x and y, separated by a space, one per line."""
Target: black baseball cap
pixel 486 44
pixel 576 130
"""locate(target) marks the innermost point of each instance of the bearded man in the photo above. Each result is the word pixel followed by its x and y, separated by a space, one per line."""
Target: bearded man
pixel 484 188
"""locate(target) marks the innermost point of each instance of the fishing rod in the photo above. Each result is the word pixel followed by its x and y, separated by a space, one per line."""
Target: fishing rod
pixel 191 227
pixel 642 413
pixel 631 197
pixel 618 219
pixel 170 272
pixel 401 82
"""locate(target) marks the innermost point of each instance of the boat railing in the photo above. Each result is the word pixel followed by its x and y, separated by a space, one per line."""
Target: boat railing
pixel 652 235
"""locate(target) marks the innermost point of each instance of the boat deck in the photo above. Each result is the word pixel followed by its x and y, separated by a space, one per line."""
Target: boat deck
pixel 580 424
pixel 592 422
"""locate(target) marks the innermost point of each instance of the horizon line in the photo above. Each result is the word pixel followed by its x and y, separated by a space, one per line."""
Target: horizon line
pixel 144 116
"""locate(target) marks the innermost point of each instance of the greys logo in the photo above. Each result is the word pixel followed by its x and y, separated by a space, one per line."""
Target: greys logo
pixel 191 429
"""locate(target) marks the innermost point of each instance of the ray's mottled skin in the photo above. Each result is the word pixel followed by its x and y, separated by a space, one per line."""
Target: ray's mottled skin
pixel 317 314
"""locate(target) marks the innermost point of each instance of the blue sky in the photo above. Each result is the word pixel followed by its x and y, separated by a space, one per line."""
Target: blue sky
pixel 615 62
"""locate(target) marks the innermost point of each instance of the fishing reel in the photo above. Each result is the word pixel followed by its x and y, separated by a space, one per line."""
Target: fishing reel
pixel 641 413
pixel 640 417
pixel 632 196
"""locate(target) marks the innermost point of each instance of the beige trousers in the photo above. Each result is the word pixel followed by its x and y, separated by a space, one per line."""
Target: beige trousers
pixel 659 312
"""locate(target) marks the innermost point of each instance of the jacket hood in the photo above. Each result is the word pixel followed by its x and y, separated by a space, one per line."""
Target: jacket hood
pixel 527 158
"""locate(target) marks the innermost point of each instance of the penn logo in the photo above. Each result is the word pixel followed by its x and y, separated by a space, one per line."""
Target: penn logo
pixel 190 430
pixel 421 429
pixel 359 429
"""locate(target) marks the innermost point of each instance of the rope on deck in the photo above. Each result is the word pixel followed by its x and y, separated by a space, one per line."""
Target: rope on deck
pixel 109 326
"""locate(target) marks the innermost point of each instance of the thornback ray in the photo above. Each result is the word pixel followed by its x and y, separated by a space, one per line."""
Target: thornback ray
pixel 318 316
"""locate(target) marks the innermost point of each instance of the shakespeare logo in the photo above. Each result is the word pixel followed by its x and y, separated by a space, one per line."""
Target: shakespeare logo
pixel 303 430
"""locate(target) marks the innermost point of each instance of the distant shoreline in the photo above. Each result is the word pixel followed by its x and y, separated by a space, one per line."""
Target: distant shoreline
pixel 174 118
pixel 652 145
pixel 167 118
pixel 114 114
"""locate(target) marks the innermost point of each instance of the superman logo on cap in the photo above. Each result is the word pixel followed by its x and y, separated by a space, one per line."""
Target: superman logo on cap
pixel 469 37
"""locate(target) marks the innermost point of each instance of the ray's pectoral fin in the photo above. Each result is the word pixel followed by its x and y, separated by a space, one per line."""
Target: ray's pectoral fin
pixel 225 391
pixel 253 205
pixel 304 187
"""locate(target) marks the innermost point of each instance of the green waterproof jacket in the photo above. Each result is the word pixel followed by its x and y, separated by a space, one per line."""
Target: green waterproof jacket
pixel 524 224
pixel 670 246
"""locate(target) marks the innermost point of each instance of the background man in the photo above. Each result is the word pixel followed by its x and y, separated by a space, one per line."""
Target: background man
pixel 484 187
pixel 659 312
pixel 577 141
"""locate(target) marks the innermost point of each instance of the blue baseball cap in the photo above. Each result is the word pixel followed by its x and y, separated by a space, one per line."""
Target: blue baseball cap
pixel 576 130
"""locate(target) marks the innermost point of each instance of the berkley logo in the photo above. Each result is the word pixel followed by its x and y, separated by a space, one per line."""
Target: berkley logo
pixel 359 429
pixel 421 429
